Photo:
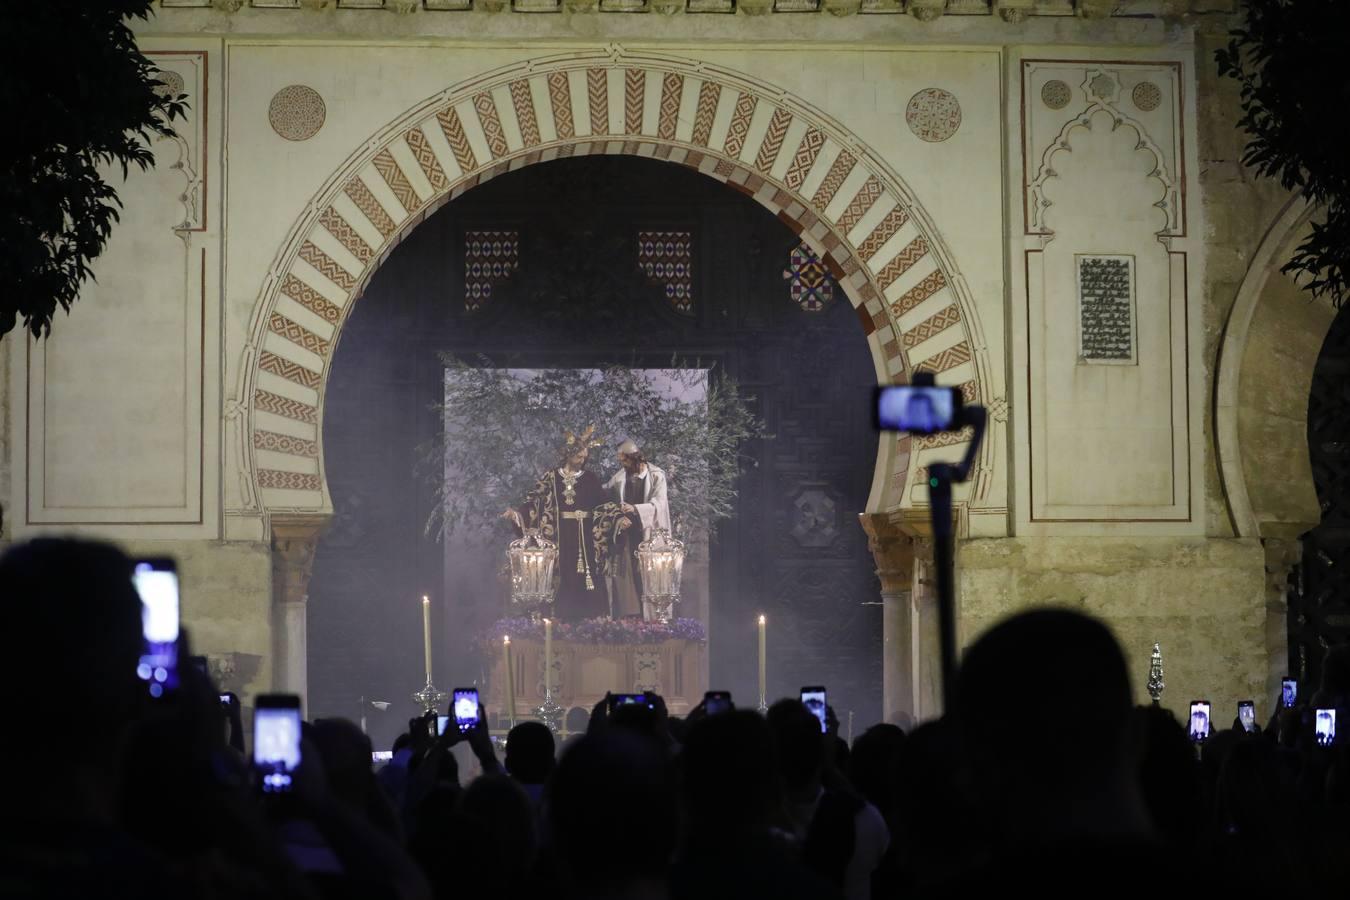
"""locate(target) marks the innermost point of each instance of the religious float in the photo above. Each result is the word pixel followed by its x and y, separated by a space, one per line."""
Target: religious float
pixel 549 670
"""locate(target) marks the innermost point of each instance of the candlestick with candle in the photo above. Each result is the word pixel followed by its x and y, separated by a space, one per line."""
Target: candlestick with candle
pixel 763 692
pixel 510 681
pixel 428 697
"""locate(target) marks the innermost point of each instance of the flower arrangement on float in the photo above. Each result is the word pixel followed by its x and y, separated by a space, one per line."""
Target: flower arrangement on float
pixel 600 630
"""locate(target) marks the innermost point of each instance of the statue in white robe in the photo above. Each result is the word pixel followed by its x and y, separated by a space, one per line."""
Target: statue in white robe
pixel 639 488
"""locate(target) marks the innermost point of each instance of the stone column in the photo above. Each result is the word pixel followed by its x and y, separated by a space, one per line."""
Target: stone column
pixel 912 663
pixel 1281 557
pixel 894 554
pixel 294 541
pixel 928 636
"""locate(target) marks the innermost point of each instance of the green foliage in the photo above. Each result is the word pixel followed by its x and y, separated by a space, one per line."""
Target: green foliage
pixel 503 431
pixel 76 97
pixel 1288 58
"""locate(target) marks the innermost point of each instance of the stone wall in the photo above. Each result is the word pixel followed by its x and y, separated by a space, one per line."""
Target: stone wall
pixel 1202 599
pixel 226 591
pixel 1238 208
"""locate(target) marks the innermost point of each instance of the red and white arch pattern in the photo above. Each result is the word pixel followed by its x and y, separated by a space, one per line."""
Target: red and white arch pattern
pixel 843 201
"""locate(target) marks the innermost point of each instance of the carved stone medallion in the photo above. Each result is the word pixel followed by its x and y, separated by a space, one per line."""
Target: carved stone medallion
pixel 170 83
pixel 297 112
pixel 1147 96
pixel 1056 94
pixel 933 115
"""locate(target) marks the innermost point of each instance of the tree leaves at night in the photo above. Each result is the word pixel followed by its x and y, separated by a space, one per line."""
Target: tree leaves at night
pixel 1288 57
pixel 79 101
pixel 504 429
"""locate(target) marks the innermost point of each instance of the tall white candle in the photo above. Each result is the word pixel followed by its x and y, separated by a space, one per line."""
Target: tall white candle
pixel 426 634
pixel 762 671
pixel 510 681
pixel 548 658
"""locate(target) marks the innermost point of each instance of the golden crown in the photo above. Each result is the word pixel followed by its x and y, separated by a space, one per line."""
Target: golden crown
pixel 584 439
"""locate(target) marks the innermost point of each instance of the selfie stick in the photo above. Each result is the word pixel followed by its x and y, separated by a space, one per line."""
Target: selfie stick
pixel 941 476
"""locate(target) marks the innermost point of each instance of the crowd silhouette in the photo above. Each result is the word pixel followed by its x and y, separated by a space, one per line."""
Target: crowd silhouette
pixel 1045 778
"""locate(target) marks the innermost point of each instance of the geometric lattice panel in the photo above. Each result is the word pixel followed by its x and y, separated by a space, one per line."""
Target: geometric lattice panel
pixel 667 258
pixel 809 282
pixel 489 257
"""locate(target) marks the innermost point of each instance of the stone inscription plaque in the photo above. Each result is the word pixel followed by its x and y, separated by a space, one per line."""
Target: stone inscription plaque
pixel 1106 309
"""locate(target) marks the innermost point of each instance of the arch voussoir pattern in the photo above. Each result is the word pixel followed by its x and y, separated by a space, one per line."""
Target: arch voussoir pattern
pixel 854 213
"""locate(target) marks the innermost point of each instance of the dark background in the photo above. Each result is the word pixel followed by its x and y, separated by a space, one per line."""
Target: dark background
pixel 1319 589
pixel 579 299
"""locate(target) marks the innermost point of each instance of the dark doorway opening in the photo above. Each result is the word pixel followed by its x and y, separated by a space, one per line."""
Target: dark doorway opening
pixel 1319 601
pixel 586 263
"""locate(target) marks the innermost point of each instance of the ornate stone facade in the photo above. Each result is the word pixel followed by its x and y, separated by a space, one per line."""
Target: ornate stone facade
pixel 227 368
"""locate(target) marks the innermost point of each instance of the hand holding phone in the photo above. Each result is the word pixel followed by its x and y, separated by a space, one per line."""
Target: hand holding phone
pixel 1324 727
pixel 156 581
pixel 618 700
pixel 715 702
pixel 276 741
pixel 813 698
pixel 465 708
pixel 1198 728
pixel 1247 715
pixel 1289 692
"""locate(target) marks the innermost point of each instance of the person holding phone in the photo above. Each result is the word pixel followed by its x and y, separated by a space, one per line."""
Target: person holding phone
pixel 432 759
pixel 841 835
pixel 74 620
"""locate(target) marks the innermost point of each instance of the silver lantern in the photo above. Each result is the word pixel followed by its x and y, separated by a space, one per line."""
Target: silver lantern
pixel 661 562
pixel 533 559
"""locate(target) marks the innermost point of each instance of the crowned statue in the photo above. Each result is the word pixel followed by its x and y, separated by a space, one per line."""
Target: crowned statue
pixel 568 506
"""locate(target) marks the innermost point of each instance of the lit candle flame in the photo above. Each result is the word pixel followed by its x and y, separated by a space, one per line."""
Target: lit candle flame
pixel 761 619
pixel 506 639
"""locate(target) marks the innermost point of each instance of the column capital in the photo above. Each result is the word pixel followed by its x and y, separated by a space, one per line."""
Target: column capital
pixel 295 538
pixel 892 549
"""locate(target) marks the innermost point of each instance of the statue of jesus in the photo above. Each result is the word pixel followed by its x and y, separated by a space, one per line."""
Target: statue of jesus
pixel 564 505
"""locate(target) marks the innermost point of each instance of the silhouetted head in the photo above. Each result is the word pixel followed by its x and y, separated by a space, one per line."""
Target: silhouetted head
pixel 345 751
pixel 611 811
pixel 871 766
pixel 728 780
pixel 934 825
pixel 798 743
pixel 529 752
pixel 637 717
pixel 504 811
pixel 1168 777
pixel 1249 797
pixel 1043 699
pixel 74 625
